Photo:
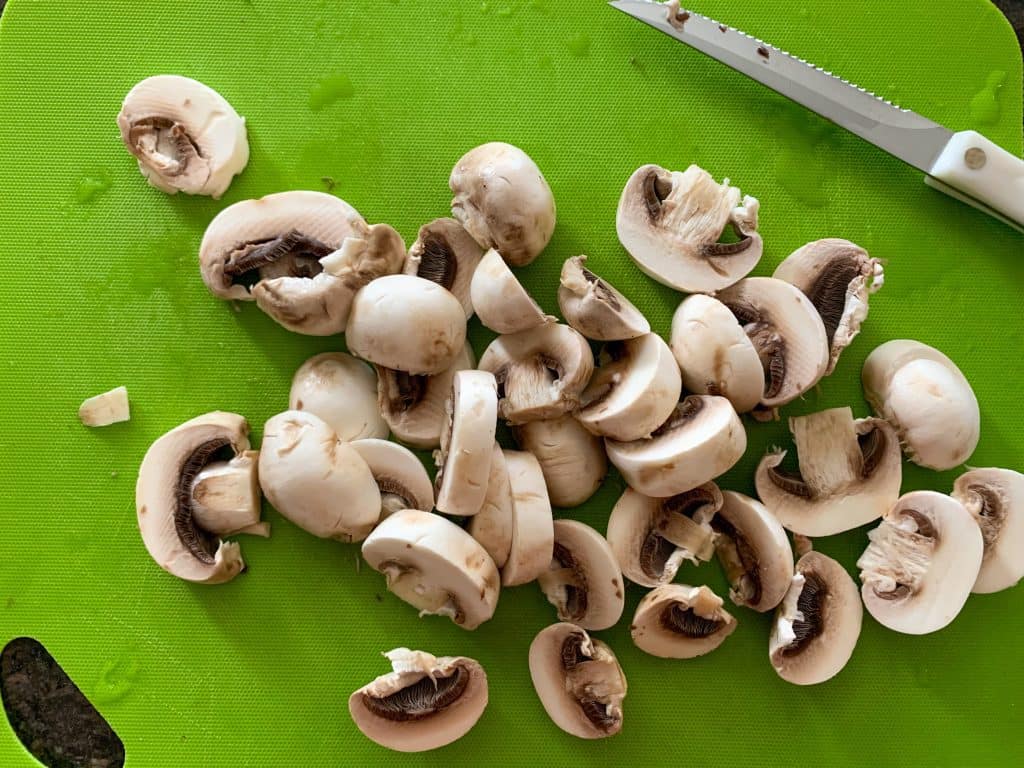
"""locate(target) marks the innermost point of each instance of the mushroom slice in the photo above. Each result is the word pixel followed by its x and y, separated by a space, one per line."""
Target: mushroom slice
pixel 503 201
pixel 435 566
pixel 635 389
pixel 164 504
pixel 226 497
pixel 186 136
pixel 838 277
pixel 578 680
pixel 850 474
pixel 424 703
pixel 675 621
pixel 105 409
pixel 715 354
pixel 702 439
pixel 500 301
pixel 492 525
pixel 444 253
pixel 583 582
pixel 754 552
pixel 377 251
pixel 817 624
pixel 467 442
pixel 995 497
pixel 343 392
pixel 533 536
pixel 573 460
pixel 923 394
pixel 595 308
pixel 401 478
pixel 541 373
pixel 316 480
pixel 787 333
pixel 652 537
pixel 671 224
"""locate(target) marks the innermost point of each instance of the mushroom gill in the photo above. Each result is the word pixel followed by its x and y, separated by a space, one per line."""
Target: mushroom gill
pixel 427 696
pixel 739 559
pixel 199 543
pixel 811 605
pixel 292 254
pixel 685 621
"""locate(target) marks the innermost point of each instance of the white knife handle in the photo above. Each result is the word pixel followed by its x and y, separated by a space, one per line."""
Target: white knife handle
pixel 981 169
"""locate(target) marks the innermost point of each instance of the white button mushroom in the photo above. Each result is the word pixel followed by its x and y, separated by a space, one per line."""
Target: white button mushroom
pixel 533 536
pixel 500 300
pixel 464 458
pixel 995 497
pixel 573 460
pixel 343 392
pixel 444 253
pixel 675 621
pixel 401 478
pixel 595 308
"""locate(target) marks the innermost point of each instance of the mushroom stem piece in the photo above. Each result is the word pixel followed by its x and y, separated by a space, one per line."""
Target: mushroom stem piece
pixel 226 497
pixel 105 409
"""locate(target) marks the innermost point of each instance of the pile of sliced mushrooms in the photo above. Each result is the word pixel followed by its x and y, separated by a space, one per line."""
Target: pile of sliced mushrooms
pixel 665 413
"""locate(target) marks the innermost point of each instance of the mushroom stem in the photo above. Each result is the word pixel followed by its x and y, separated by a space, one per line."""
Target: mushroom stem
pixel 226 497
pixel 686 534
pixel 830 455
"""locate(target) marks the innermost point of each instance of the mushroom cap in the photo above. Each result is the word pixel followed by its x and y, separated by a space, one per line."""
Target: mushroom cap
pixel 343 392
pixel 533 535
pixel 500 300
pixel 633 391
pixel 573 460
pixel 595 308
pixel 817 624
pixel 921 564
pixel 444 253
pixel 503 201
pixel 467 443
pixel 492 525
pixel 407 324
pixel 995 497
pixel 583 582
pixel 702 439
pixel 676 621
pixel 401 478
pixel 315 480
pixel 435 566
pixel 671 223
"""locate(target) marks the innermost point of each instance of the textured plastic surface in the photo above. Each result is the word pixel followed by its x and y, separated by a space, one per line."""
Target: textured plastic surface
pixel 99 287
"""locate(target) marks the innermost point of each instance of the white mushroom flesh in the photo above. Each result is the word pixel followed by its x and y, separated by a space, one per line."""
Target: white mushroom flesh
pixel 464 458
pixel 105 409
pixel 492 525
pixel 595 308
pixel 676 621
pixel 401 478
pixel 573 460
pixel 500 300
pixel 343 392
pixel 995 497
pixel 446 254
pixel 533 536
pixel 226 497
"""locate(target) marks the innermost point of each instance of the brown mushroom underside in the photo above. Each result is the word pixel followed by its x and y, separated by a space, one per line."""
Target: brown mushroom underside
pixel 873 445
pixel 291 254
pixel 199 543
pixel 656 550
pixel 738 559
pixel 158 127
pixel 427 696
pixel 437 262
pixel 683 621
pixel 596 712
pixel 770 347
pixel 575 594
pixel 812 604
pixel 828 291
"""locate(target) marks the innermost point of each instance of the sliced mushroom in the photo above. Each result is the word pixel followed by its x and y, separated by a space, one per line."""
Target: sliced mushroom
pixel 105 409
pixel 754 552
pixel 675 621
pixel 406 323
pixel 995 497
pixel 583 581
pixel 702 439
pixel 652 537
pixel 838 277
pixel 921 564
pixel 186 136
pixel 401 478
pixel 377 251
pixel 499 299
pixel 424 703
pixel 850 474
pixel 435 566
pixel 595 308
pixel 572 459
pixel 923 394
pixel 541 373
pixel 503 201
pixel 633 391
pixel 444 253
pixel 343 392
pixel 315 480
pixel 817 624
pixel 578 680
pixel 671 224
pixel 533 536
pixel 164 504
pixel 492 525
pixel 226 497
pixel 467 442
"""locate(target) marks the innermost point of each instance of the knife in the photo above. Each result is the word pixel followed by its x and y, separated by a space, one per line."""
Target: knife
pixel 964 165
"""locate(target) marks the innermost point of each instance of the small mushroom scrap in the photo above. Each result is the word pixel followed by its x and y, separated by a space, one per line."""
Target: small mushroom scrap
pixel 343 392
pixel 595 308
pixel 675 621
pixel 995 497
pixel 533 535
pixel 573 460
pixel 444 253
pixel 583 582
pixel 226 497
pixel 401 478
pixel 500 300
pixel 464 458
pixel 492 525
pixel 424 703
pixel 105 409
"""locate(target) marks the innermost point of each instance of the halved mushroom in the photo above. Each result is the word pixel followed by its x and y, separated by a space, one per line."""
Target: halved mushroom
pixel 578 680
pixel 652 537
pixel 702 439
pixel 921 564
pixel 444 253
pixel 467 442
pixel 572 460
pixel 343 392
pixel 633 391
pixel 671 224
pixel 995 497
pixel 817 624
pixel 401 478
pixel 226 497
pixel 541 373
pixel 850 474
pixel 377 251
pixel 424 703
pixel 316 480
pixel 164 503
pixel 492 525
pixel 406 323
pixel 838 277
pixel 787 333
pixel 533 535
pixel 435 566
pixel 499 299
pixel 595 308
pixel 754 552
pixel 186 136
pixel 675 621
pixel 503 201
pixel 923 394
pixel 583 581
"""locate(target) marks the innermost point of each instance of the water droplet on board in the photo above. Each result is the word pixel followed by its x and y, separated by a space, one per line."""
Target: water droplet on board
pixel 92 186
pixel 985 103
pixel 116 680
pixel 579 46
pixel 330 90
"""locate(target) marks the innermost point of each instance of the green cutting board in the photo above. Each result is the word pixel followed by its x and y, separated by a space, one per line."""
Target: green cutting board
pixel 99 287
